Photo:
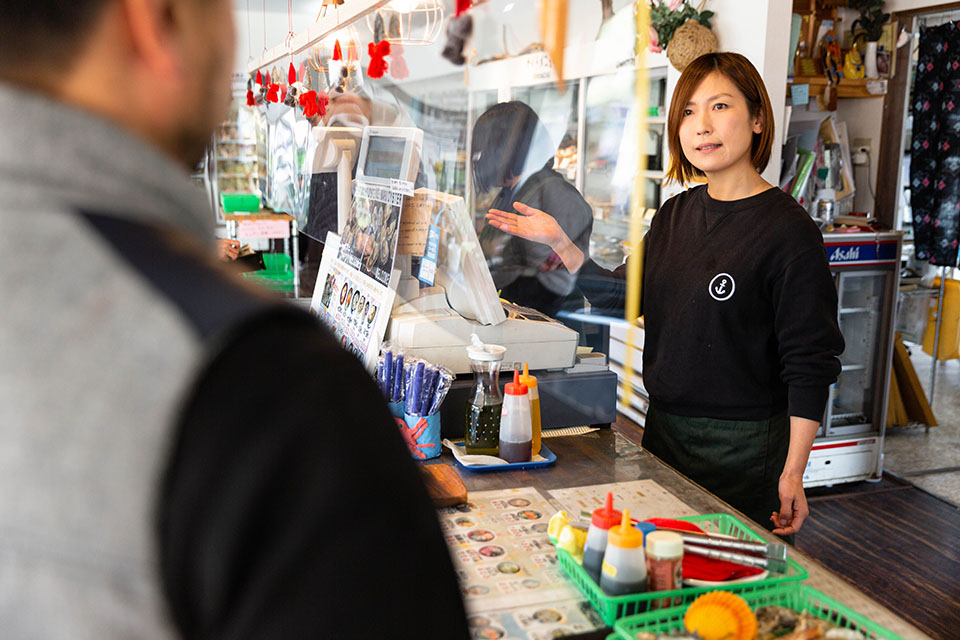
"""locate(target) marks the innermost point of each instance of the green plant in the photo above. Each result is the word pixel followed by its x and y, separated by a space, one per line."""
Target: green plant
pixel 871 20
pixel 667 15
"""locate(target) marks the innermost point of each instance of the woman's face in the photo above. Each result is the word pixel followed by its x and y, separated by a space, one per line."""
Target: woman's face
pixel 716 130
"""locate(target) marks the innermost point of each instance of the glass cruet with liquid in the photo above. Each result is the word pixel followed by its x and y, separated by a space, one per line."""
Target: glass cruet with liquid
pixel 485 402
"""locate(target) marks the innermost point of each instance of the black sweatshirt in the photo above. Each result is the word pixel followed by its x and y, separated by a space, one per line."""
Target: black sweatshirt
pixel 740 308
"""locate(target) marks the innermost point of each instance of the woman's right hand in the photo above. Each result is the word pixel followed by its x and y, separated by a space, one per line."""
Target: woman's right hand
pixel 538 226
pixel 530 224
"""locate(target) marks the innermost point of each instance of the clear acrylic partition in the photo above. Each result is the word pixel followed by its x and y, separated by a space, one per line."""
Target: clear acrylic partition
pixel 610 158
pixel 852 399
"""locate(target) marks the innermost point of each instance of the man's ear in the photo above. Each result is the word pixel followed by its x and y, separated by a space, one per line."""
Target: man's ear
pixel 150 27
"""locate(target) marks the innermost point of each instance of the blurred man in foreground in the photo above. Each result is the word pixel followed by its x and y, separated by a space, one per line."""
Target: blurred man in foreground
pixel 179 456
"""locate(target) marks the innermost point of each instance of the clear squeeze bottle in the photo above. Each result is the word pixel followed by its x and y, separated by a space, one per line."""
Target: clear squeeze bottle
pixel 516 430
pixel 485 403
pixel 624 563
pixel 600 522
pixel 530 382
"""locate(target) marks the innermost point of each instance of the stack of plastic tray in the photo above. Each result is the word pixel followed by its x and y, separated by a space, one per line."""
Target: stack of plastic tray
pixel 278 273
pixel 240 202
pixel 798 597
pixel 612 608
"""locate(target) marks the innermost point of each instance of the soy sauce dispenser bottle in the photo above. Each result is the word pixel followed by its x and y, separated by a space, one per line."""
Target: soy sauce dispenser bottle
pixel 516 428
pixel 600 522
pixel 624 562
pixel 485 403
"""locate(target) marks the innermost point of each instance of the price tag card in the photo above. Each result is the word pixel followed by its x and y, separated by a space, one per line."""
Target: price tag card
pixel 428 264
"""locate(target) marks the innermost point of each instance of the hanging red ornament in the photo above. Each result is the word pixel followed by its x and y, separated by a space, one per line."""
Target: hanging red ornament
pixel 308 100
pixel 259 77
pixel 463 6
pixel 291 75
pixel 250 101
pixel 398 66
pixel 267 79
pixel 322 101
pixel 283 93
pixel 378 65
pixel 273 93
pixel 337 52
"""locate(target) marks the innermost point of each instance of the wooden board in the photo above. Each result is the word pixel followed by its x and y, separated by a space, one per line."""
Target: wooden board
pixel 445 487
pixel 914 398
pixel 896 413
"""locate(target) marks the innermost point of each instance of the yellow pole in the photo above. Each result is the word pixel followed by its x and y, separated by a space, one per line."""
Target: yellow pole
pixel 637 208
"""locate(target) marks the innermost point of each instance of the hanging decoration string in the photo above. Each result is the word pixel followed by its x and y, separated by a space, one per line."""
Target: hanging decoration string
pixel 290 35
pixel 264 26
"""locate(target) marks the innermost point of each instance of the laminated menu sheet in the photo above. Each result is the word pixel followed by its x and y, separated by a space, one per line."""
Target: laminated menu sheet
pixel 511 583
pixel 644 498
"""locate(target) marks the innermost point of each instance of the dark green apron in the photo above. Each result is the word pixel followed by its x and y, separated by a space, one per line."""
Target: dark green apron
pixel 739 461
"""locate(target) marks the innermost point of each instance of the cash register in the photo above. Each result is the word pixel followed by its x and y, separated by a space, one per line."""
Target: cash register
pixel 436 322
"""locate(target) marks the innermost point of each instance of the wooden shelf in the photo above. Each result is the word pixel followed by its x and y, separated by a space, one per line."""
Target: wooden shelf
pixel 847 88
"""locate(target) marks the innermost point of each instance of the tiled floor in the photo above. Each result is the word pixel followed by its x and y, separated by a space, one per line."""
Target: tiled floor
pixel 931 459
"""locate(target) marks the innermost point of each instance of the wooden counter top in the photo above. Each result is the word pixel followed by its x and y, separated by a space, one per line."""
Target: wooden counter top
pixel 607 456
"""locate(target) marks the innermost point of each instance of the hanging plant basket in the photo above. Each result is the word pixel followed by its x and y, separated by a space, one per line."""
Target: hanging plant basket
pixel 690 41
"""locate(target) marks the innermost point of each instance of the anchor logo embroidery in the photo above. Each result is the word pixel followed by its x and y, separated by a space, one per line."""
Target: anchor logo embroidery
pixel 722 287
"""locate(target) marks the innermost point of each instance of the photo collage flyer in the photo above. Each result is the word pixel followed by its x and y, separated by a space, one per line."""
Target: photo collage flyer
pixel 352 305
pixel 369 240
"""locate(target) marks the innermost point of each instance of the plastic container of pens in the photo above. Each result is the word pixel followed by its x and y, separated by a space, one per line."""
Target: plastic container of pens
pixel 415 390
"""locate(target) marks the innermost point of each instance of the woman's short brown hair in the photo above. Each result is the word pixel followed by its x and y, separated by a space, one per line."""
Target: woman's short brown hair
pixel 739 70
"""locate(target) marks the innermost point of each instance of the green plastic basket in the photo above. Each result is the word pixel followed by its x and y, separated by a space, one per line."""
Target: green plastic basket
pixel 240 202
pixel 799 597
pixel 277 274
pixel 612 608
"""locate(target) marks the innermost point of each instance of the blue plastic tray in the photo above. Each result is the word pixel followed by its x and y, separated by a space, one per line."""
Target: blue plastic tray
pixel 549 458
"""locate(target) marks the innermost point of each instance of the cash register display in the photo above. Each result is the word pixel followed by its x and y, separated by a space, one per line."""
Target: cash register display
pixel 388 154
pixel 385 158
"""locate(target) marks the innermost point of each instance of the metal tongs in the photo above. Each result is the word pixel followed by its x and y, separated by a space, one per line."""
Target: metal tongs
pixel 773 558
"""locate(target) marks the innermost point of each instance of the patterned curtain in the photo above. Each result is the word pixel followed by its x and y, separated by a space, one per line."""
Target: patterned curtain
pixel 935 153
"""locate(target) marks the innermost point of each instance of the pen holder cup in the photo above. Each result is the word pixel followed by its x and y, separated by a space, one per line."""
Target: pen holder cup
pixel 397 409
pixel 422 435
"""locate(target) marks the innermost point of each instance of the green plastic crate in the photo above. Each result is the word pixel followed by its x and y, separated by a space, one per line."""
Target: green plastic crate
pixel 278 273
pixel 799 597
pixel 240 202
pixel 612 608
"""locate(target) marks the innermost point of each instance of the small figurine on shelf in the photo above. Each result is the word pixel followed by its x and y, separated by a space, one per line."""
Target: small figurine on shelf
pixel 853 64
pixel 830 51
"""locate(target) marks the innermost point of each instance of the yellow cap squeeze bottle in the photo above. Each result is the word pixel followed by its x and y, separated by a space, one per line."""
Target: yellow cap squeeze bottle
pixel 624 567
pixel 530 382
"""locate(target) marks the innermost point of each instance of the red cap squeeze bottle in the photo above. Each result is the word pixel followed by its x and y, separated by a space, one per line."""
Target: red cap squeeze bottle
pixel 600 522
pixel 516 428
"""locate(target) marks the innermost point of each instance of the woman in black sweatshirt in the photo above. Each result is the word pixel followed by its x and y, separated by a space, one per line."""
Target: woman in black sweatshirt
pixel 741 338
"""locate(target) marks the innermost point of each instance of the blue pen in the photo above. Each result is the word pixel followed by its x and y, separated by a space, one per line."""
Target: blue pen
pixel 386 382
pixel 380 373
pixel 397 379
pixel 439 393
pixel 416 384
pixel 429 388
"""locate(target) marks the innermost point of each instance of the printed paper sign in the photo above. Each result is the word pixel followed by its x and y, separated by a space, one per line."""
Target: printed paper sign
pixel 414 224
pixel 263 229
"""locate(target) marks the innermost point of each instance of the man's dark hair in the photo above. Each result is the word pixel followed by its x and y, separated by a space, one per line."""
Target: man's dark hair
pixel 38 33
pixel 502 139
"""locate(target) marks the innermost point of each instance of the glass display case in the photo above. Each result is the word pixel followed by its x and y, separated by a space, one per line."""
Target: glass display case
pixel 861 314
